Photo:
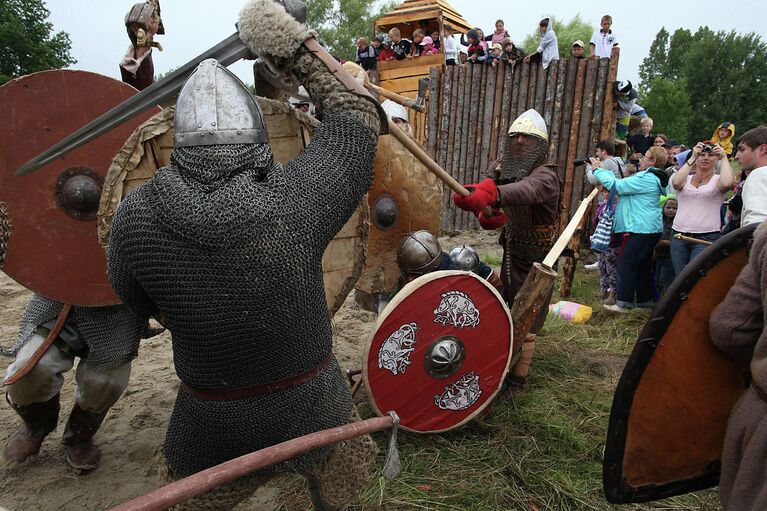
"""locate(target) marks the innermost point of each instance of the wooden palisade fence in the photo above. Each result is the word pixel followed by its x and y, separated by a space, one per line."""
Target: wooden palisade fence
pixel 471 107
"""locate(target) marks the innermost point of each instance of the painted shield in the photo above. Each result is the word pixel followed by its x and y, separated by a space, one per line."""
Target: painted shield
pixel 149 148
pixel 670 410
pixel 53 249
pixel 405 197
pixel 440 352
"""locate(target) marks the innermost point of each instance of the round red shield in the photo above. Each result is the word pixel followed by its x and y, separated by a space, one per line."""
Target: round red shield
pixel 53 248
pixel 440 353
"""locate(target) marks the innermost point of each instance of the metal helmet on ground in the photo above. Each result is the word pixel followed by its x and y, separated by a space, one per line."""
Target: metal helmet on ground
pixel 464 257
pixel 419 253
pixel 530 123
pixel 215 108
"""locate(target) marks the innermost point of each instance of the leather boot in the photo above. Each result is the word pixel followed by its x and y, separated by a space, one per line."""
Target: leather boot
pixel 39 420
pixel 610 300
pixel 80 451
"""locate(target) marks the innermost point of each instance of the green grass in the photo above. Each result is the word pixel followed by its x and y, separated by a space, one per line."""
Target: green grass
pixel 491 260
pixel 542 451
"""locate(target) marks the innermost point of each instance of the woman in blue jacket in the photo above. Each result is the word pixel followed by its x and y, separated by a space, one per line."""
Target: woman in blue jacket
pixel 640 216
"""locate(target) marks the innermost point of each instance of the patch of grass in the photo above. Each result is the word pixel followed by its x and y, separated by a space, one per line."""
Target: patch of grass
pixel 491 260
pixel 541 451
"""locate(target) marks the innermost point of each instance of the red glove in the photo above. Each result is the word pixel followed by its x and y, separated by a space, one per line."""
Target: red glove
pixel 491 223
pixel 482 195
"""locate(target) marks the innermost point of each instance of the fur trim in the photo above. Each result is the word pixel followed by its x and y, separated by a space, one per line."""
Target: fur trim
pixel 268 30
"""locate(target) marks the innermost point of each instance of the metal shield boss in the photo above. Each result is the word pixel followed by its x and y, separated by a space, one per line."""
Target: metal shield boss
pixel 440 353
pixel 670 410
pixel 53 249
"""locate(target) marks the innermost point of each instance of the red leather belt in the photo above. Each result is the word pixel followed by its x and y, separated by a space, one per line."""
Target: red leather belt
pixel 258 390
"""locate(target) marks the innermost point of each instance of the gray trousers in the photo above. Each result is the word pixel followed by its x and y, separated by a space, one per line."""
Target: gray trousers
pixel 96 392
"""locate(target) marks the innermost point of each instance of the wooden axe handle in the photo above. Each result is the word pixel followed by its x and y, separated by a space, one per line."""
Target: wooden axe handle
pixel 691 240
pixel 397 98
pixel 564 238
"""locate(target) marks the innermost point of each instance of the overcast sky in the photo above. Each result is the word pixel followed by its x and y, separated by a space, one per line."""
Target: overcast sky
pixel 99 40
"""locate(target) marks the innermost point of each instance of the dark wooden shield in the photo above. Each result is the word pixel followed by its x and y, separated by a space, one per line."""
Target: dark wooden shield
pixel 53 248
pixel 440 352
pixel 670 410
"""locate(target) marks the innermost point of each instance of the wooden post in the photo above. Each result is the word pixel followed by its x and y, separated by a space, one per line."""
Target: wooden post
pixel 434 107
pixel 451 154
pixel 464 143
pixel 573 141
pixel 549 97
pixel 608 115
pixel 487 123
pixel 584 130
pixel 568 272
pixel 567 116
pixel 508 86
pixel 530 299
pixel 557 113
pixel 446 109
pixel 496 115
pixel 524 85
pixel 476 106
pixel 531 84
pixel 540 88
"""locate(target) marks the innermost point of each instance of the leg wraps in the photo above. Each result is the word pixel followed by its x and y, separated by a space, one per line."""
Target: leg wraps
pixel 522 367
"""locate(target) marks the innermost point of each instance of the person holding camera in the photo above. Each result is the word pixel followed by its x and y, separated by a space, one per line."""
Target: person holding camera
pixel 700 196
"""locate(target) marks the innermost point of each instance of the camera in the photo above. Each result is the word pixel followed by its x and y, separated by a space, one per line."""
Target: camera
pixel 707 148
pixel 583 161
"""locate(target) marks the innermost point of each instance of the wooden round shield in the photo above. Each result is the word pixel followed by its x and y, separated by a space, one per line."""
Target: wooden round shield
pixel 405 197
pixel 149 147
pixel 53 249
pixel 440 352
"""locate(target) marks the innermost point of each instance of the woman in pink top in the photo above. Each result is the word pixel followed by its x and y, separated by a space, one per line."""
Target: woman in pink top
pixel 700 196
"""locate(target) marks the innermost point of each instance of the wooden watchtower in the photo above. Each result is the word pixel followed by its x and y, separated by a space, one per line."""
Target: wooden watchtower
pixel 401 76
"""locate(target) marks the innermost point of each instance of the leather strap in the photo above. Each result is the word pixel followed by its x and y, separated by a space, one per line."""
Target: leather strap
pixel 258 390
pixel 40 351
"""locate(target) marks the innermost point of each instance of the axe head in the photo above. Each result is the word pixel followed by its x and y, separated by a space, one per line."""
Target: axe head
pixel 423 86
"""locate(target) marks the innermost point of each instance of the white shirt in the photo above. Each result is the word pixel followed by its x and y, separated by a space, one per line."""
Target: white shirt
pixel 604 43
pixel 755 197
pixel 451 48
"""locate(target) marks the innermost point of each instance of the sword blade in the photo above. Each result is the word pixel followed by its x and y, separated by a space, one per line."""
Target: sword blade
pixel 163 93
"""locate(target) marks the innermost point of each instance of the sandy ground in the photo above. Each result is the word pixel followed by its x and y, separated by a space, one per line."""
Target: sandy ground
pixel 136 425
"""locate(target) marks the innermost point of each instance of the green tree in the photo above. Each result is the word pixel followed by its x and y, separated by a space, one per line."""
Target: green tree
pixel 27 41
pixel 721 76
pixel 669 103
pixel 567 34
pixel 340 22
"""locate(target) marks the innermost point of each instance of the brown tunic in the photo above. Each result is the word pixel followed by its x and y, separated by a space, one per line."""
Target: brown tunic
pixel 743 483
pixel 532 205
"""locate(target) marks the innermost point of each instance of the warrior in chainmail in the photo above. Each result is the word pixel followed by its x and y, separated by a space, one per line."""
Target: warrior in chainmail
pixel 105 338
pixel 227 244
pixel 525 196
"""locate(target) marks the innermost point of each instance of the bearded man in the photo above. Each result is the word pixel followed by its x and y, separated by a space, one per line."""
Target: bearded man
pixel 227 244
pixel 524 195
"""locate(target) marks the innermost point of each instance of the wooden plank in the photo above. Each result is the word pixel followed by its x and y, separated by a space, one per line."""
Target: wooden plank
pixel 497 107
pixel 573 141
pixel 584 129
pixel 433 117
pixel 405 86
pixel 532 83
pixel 567 115
pixel 426 62
pixel 550 95
pixel 556 112
pixel 524 82
pixel 404 72
pixel 508 86
pixel 608 116
pixel 540 88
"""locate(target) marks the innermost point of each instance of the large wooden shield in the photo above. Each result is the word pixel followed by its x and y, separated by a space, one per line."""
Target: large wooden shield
pixel 671 406
pixel 440 353
pixel 149 148
pixel 53 249
pixel 405 197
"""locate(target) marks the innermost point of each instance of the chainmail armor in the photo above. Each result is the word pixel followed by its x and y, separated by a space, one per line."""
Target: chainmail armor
pixel 5 232
pixel 233 260
pixel 112 333
pixel 515 167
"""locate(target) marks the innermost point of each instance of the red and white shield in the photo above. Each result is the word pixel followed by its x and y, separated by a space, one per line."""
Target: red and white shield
pixel 440 353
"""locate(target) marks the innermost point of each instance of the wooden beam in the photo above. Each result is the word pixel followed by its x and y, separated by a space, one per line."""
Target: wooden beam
pixel 573 141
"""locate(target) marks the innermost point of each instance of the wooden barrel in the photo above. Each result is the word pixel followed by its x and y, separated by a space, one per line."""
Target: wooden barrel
pixel 150 146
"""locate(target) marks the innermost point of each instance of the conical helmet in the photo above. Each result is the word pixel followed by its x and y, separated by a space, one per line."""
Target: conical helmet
pixel 530 123
pixel 464 257
pixel 215 108
pixel 419 253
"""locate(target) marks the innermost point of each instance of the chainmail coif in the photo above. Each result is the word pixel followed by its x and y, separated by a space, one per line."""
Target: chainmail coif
pixel 234 263
pixel 515 167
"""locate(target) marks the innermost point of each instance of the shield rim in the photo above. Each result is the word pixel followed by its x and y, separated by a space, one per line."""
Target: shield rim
pixel 648 340
pixel 406 291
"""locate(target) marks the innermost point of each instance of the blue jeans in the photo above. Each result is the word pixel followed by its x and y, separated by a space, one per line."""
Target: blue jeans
pixel 635 268
pixel 664 274
pixel 682 252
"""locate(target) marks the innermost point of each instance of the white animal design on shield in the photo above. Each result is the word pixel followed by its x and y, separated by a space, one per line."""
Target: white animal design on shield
pixel 394 354
pixel 461 394
pixel 457 309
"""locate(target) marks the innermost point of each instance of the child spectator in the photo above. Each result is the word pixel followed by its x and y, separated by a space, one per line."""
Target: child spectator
pixel 377 44
pixel 464 57
pixel 418 36
pixel 476 52
pixel 603 40
pixel 664 268
pixel 548 48
pixel 451 48
pixel 401 47
pixel 607 246
pixel 626 97
pixel 386 52
pixel 366 55
pixel 435 40
pixel 577 50
pixel 511 54
pixel 427 46
pixel 723 136
pixel 639 144
pixel 500 33
pixel 495 55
